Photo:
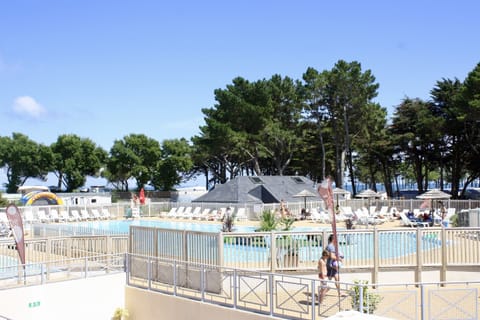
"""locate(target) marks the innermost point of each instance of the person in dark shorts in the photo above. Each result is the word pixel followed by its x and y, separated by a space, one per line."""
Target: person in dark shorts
pixel 334 262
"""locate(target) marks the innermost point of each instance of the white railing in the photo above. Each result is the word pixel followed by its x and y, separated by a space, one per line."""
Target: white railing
pixel 405 249
pixel 60 270
pixel 61 249
pixel 294 297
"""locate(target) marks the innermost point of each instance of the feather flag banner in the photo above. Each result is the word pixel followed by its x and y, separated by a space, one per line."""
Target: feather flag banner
pixel 326 193
pixel 16 223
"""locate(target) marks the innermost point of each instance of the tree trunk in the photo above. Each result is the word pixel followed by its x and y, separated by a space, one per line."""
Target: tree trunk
pixel 348 150
pixel 339 167
pixel 322 147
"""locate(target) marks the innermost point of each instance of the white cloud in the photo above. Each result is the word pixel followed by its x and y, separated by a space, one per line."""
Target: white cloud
pixel 28 107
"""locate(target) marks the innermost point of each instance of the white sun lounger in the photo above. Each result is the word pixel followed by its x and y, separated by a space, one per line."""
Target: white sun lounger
pixel 42 216
pixel 96 214
pixel 186 214
pixel 85 215
pixel 347 211
pixel 196 212
pixel 28 216
pixel 65 216
pixel 179 212
pixel 75 215
pixel 319 216
pixel 205 214
pixel 106 213
pixel 409 223
pixel 54 216
pixel 242 214
pixel 171 213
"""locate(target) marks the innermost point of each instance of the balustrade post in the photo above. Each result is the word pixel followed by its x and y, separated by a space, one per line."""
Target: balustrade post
pixel 419 267
pixel 443 268
pixel 376 256
pixel 273 252
pixel 49 255
pixel 221 244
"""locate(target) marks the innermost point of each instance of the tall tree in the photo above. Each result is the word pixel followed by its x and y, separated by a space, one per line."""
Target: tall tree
pixel 317 113
pixel 418 133
pixel 133 157
pixel 23 158
pixel 75 159
pixel 347 93
pixel 374 148
pixel 253 128
pixel 470 102
pixel 174 165
pixel 280 136
pixel 453 150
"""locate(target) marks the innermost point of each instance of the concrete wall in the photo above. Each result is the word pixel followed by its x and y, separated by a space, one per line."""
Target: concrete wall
pixel 93 298
pixel 143 304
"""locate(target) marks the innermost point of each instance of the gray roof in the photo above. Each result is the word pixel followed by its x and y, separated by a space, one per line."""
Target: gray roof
pixel 260 189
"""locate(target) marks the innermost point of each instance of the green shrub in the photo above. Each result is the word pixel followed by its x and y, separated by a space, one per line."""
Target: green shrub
pixel 286 223
pixel 370 299
pixel 3 201
pixel 115 196
pixel 120 314
pixel 268 221
pixel 454 220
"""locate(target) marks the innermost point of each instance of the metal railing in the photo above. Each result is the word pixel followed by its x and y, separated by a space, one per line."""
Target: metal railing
pixel 294 297
pixel 60 249
pixel 60 270
pixel 371 249
pixel 285 296
pixel 409 249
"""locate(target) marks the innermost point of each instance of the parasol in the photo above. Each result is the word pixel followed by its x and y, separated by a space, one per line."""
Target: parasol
pixel 305 194
pixel 434 194
pixel 368 194
pixel 339 192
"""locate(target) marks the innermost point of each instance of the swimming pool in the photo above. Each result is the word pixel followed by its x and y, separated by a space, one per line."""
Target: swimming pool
pixel 355 246
pixel 112 227
pixel 123 226
pixel 9 268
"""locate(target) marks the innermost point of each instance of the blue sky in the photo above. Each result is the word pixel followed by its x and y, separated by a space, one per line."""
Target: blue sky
pixel 105 69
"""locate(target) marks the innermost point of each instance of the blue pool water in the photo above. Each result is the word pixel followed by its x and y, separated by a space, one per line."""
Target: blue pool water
pixel 122 226
pixel 9 268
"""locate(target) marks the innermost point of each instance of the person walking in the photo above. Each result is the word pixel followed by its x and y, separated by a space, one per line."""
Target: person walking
pixel 334 262
pixel 322 275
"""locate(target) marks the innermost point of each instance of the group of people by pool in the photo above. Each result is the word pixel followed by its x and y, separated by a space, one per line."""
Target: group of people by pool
pixel 284 212
pixel 423 217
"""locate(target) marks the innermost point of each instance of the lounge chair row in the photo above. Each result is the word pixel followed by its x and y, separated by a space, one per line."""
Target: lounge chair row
pixel 359 216
pixel 437 219
pixel 198 213
pixel 65 215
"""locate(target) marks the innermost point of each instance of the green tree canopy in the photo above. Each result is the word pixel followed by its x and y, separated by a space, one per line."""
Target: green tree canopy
pixel 133 157
pixel 417 134
pixel 174 165
pixel 75 159
pixel 23 158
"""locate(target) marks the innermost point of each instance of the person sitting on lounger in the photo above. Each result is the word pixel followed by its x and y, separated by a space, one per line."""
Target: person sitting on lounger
pixel 411 216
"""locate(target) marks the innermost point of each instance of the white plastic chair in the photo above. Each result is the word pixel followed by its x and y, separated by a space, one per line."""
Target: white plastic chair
pixel 241 214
